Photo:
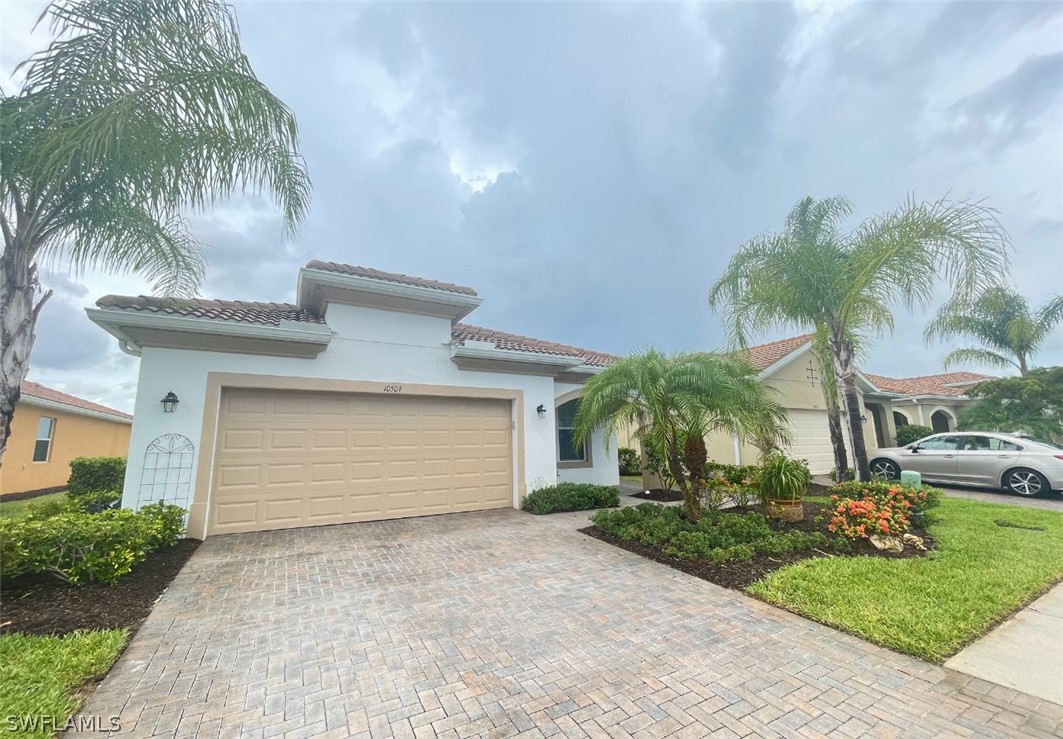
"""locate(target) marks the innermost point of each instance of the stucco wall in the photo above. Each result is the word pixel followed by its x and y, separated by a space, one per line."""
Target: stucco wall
pixel 75 435
pixel 369 344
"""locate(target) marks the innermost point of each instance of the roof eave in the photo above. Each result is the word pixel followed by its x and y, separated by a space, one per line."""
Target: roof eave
pixel 122 324
pixel 317 288
pixel 56 405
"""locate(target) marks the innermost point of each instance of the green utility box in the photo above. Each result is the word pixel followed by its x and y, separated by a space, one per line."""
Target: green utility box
pixel 908 477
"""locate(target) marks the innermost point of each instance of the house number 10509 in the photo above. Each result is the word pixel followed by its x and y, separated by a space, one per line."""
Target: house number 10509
pixel 393 388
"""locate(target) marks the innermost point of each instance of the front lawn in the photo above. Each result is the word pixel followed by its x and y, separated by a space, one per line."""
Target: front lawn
pixel 40 676
pixel 991 560
pixel 18 508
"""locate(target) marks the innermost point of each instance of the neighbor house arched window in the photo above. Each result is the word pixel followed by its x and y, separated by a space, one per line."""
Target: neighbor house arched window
pixel 569 453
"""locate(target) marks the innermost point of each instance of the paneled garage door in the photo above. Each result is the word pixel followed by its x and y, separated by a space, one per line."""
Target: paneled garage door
pixel 286 459
pixel 811 440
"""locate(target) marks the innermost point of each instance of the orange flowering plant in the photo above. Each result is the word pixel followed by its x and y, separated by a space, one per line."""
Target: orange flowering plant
pixel 869 516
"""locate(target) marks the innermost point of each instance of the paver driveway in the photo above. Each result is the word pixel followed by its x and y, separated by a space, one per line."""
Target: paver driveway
pixel 506 624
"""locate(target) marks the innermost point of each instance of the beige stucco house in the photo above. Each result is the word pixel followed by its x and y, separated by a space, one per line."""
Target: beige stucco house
pixel 791 367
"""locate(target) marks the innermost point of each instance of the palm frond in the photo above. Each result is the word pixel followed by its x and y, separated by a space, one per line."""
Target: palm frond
pixel 973 355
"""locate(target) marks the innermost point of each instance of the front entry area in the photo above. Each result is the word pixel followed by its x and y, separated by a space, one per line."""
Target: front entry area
pixel 286 459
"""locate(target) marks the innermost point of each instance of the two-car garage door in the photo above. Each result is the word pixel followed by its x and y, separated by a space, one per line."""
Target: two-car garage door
pixel 292 458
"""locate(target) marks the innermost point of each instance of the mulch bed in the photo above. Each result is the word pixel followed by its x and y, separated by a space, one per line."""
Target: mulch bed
pixel 739 575
pixel 42 604
pixel 658 495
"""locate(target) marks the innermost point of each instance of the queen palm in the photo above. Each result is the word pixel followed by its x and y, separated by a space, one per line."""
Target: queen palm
pixel 670 398
pixel 138 112
pixel 813 275
pixel 1000 319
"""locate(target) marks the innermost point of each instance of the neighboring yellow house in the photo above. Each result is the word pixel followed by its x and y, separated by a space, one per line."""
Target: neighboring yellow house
pixel 51 428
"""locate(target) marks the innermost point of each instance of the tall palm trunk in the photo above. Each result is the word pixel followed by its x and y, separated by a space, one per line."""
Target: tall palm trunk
pixel 829 384
pixel 837 438
pixel 842 358
pixel 18 318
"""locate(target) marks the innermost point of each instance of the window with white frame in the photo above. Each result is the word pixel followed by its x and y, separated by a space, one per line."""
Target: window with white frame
pixel 42 448
pixel 567 449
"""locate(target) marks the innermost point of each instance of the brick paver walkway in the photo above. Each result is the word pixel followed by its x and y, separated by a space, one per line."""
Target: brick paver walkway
pixel 505 624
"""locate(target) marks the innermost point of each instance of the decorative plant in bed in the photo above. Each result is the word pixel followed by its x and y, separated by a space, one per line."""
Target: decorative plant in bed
pixel 738 546
pixel 78 578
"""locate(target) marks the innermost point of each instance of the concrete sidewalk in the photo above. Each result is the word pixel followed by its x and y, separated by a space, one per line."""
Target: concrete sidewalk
pixel 1025 652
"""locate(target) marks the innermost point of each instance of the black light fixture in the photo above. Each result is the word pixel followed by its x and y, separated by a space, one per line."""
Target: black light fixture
pixel 541 410
pixel 169 403
pixel 863 419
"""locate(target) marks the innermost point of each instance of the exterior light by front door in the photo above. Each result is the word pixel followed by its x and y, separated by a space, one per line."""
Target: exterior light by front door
pixel 541 410
pixel 169 403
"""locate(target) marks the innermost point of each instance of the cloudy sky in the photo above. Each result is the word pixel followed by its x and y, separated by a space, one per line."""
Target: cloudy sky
pixel 589 168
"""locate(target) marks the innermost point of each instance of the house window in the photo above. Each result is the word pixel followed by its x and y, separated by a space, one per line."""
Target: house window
pixel 43 446
pixel 567 450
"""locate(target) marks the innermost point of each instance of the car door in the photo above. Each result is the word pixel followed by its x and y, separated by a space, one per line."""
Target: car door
pixel 981 460
pixel 934 457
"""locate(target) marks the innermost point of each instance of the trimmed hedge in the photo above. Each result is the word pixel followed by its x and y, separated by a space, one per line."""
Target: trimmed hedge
pixel 571 496
pixel 736 474
pixel 87 547
pixel 629 461
pixel 96 479
pixel 717 538
pixel 912 433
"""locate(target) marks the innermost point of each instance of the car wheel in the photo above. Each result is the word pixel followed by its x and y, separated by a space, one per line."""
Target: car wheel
pixel 1026 482
pixel 885 469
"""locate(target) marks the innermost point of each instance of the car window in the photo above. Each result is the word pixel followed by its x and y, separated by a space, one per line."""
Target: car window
pixel 940 442
pixel 989 444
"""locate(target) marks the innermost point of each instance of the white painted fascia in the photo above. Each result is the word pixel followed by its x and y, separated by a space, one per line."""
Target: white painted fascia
pixel 74 409
pixel 779 364
pixel 113 320
pixel 509 355
pixel 357 283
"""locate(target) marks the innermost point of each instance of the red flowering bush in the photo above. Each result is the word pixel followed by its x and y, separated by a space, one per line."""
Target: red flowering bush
pixel 919 498
pixel 868 516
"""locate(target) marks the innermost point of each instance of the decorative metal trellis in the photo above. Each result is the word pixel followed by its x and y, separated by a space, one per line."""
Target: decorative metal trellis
pixel 167 473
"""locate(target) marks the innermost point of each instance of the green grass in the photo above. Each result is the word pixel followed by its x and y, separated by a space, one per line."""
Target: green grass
pixel 40 675
pixel 17 508
pixel 931 607
pixel 631 478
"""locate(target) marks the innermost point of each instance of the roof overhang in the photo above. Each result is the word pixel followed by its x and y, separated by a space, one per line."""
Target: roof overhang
pixel 53 405
pixel 317 288
pixel 492 359
pixel 782 362
pixel 136 331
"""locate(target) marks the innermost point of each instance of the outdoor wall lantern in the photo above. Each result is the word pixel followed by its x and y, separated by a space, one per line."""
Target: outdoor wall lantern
pixel 169 403
pixel 541 410
pixel 863 419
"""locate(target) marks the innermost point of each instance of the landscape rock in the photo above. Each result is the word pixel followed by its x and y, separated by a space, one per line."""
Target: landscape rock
pixel 887 543
pixel 915 541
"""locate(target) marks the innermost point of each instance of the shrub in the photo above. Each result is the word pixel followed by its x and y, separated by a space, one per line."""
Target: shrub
pixel 911 433
pixel 51 506
pixel 571 496
pixel 921 498
pixel 716 538
pixel 736 474
pixel 83 547
pixel 834 474
pixel 860 519
pixel 784 478
pixel 96 478
pixel 629 461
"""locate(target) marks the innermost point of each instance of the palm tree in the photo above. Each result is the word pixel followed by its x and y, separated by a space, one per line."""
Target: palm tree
pixel 670 398
pixel 136 113
pixel 814 276
pixel 829 384
pixel 1001 321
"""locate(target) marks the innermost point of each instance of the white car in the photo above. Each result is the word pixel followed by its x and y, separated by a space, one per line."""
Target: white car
pixel 1017 463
